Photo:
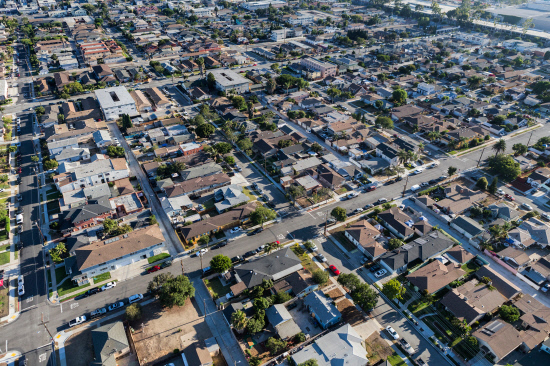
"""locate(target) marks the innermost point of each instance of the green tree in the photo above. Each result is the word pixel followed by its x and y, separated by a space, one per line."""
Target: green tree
pixel 176 291
pixel 198 120
pixel 262 215
pixel 211 81
pixel 399 96
pixel 126 122
pixel 275 345
pixel 281 297
pixel 239 320
pixel 58 253
pixel 365 296
pixel 505 166
pixel 393 289
pixel 493 187
pixel 349 280
pixel 315 147
pixel 519 149
pixel 153 220
pixel 482 183
pixel 310 362
pixel 35 159
pixel 339 214
pixel 220 263
pixel 299 338
pixel 115 151
pixel 229 160
pixel 109 225
pixel 499 146
pixel 157 282
pixel 133 312
pixel 255 325
pixel 509 313
pixel 498 120
pixel 261 304
pixel 204 239
pixel 296 191
pixel 320 277
pixel 394 243
pixel 50 164
pixel 384 122
pixel 244 144
pixel 223 148
pixel 205 130
pixel 451 171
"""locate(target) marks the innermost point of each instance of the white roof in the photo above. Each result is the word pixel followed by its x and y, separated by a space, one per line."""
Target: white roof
pixel 112 97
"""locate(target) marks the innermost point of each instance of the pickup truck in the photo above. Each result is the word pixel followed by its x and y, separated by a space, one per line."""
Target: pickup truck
pixel 77 321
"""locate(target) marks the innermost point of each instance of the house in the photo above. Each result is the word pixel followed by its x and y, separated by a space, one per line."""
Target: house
pixel 274 266
pixel 107 255
pixel 204 170
pixel 540 178
pixel 175 206
pixel 116 101
pixel 397 222
pixel 471 301
pixel 197 354
pixel 329 178
pixel 503 211
pixel 322 309
pixel 387 152
pixel 459 255
pixel 98 171
pixel 458 199
pixel 498 338
pixel 435 275
pixel 299 283
pixel 56 147
pixel 467 226
pixel 228 197
pixel 281 320
pixel 364 236
pixel 419 250
pixel 343 346
pixel 209 226
pixel 110 343
pixel 516 258
pixel 142 103
pixel 197 186
pixel 505 287
pixel 406 110
pixel 92 214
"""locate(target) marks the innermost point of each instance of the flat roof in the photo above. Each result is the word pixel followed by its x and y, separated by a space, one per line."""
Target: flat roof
pixel 228 77
pixel 114 96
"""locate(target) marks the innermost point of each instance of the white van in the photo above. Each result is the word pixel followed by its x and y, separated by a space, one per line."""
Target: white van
pixel 19 219
pixel 415 188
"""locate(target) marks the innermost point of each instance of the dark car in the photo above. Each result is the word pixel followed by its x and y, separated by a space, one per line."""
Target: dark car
pixel 370 188
pixel 433 181
pixel 249 254
pixel 374 268
pixel 367 206
pixel 220 245
pixel 236 259
pixel 92 291
pixel 257 231
pixel 166 264
pixel 82 296
pixel 399 179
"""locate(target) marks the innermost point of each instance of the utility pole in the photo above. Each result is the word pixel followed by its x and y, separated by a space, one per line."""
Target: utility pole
pixel 326 222
pixel 53 357
pixel 405 187
pixel 528 141
pixel 479 161
pixel 200 255
pixel 182 271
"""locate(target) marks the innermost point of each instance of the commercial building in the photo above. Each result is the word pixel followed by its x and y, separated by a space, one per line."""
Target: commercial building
pixel 115 102
pixel 326 69
pixel 230 80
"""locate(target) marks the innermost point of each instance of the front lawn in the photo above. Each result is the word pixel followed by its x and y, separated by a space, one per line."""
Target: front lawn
pixel 4 258
pixel 102 277
pixel 60 274
pixel 396 360
pixel 216 288
pixel 53 207
pixel 68 286
pixel 157 257
pixel 307 261
pixel 470 267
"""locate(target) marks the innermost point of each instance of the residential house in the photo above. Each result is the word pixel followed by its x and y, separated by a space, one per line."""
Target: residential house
pixel 458 199
pixel 92 214
pixel 196 186
pixel 397 222
pixel 281 320
pixel 435 275
pixel 498 339
pixel 110 343
pixel 322 309
pixel 228 197
pixel 467 226
pixel 298 283
pixel 364 235
pixel 98 171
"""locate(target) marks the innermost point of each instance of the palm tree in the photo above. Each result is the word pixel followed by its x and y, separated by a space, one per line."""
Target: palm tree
pixel 402 156
pixel 433 135
pixel 399 170
pixel 288 84
pixel 250 107
pixel 200 62
pixel 412 156
pixel 239 320
pixel 499 147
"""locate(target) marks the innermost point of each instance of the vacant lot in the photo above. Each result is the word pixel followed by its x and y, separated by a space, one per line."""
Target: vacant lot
pixel 4 304
pixel 79 349
pixel 377 348
pixel 167 330
pixel 350 314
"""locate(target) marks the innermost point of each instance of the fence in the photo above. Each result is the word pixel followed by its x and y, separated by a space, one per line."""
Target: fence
pixel 527 281
pixel 494 257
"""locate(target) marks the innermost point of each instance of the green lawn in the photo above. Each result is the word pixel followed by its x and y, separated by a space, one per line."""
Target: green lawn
pixel 53 195
pixel 53 207
pixel 249 194
pixel 418 305
pixel 4 247
pixel 470 267
pixel 102 277
pixel 68 286
pixel 306 260
pixel 157 257
pixel 350 247
pixel 208 204
pixel 216 289
pixel 396 360
pixel 3 235
pixel 4 258
pixel 60 274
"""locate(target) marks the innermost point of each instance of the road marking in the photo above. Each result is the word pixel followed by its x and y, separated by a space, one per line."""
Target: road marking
pixel 30 299
pixel 42 357
pixel 320 213
pixel 74 305
pixel 280 236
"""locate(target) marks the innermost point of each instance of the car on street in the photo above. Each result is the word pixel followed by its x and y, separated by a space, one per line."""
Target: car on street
pixel 367 206
pixel 257 231
pixel 357 210
pixel 545 216
pixel 108 286
pixel 235 230
pixel 321 258
pixel 392 332
pixel 545 287
pixel 526 206
pixel 370 188
pixel 92 291
pixel 352 195
pixel 97 312
pixel 418 171
pixel 443 177
pixel 135 298
pixel 334 270
pixel 260 248
pixel 21 290
pixel 77 321
pixel 202 252
pixel 331 221
pixel 237 259
pixel 434 165
pixel 166 264
pixel 432 181
pixel 219 245
pixel 424 184
pixel 249 253
pixel 420 362
pixel 20 280
pixel 381 200
pixel 509 197
pixel 380 273
pixel 115 306
pixel 500 192
pixel 153 269
pixel 406 346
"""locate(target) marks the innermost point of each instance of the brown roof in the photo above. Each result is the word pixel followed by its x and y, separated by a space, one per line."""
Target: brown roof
pixel 106 250
pixel 406 111
pixel 157 96
pixel 124 186
pixel 519 256
pixel 459 198
pixel 198 183
pixel 459 254
pixel 502 337
pixel 435 276
pixel 366 235
pixel 297 282
pixel 119 164
pixel 238 288
pixel 505 287
pixel 528 304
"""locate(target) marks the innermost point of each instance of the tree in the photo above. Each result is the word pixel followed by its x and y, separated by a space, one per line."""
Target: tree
pixel 115 151
pixel 519 149
pixel 200 62
pixel 239 320
pixel 399 96
pixel 499 147
pixel 262 215
pixel 220 263
pixel 157 282
pixel 250 109
pixel 505 166
pixel 498 120
pixel 299 338
pixel 394 243
pixel 244 144
pixel 482 183
pixel 393 289
pixel 229 160
pixel 281 297
pixel 315 147
pixel 384 122
pixel 275 345
pixel 310 362
pixel 205 130
pixel 261 304
pixel 126 122
pixel 109 225
pixel 320 277
pixel 271 86
pixel 365 296
pixel 211 81
pixel 255 325
pixel 35 159
pixel 204 239
pixel 509 313
pixel 153 220
pixel 296 191
pixel 333 92
pixel 349 280
pixel 339 214
pixel 493 187
pixel 451 171
pixel 50 164
pixel 133 312
pixel 198 120
pixel 176 291
pixel 58 253
pixel 223 148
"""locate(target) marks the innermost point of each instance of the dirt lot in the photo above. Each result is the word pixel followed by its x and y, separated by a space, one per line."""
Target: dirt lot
pixel 166 330
pixel 79 349
pixel 334 293
pixel 377 348
pixel 350 313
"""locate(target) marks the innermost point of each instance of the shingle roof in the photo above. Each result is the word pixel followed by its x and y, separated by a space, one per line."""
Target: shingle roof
pixel 108 340
pixel 501 336
pixel 435 275
pixel 322 306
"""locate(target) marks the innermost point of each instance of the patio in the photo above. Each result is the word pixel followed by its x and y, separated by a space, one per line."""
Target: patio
pixel 307 324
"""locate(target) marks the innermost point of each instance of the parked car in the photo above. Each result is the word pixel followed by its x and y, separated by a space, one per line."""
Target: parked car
pixel 424 184
pixel 321 258
pixel 20 280
pixel 92 291
pixel 257 231
pixel 153 269
pixel 135 298
pixel 331 221
pixel 418 171
pixel 97 312
pixel 500 192
pixel 108 286
pixel 509 197
pixel 545 287
pixel 235 230
pixel 166 264
pixel 334 270
pixel 115 305
pixel 406 346
pixel 526 206
pixel 357 210
pixel 545 216
pixel 352 195
pixel 249 253
pixel 219 245
pixel 392 332
pixel 432 181
pixel 237 259
pixel 381 200
pixel 443 177
pixel 77 321
pixel 380 273
pixel 420 362
pixel 21 290
pixel 370 188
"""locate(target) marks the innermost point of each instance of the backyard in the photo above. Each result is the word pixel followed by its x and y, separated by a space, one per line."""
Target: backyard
pixel 216 288
pixel 377 348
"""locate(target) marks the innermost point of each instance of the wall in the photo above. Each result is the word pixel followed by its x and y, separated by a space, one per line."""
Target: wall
pixel 499 261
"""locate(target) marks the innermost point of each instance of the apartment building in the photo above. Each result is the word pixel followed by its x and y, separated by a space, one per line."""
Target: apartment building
pixel 255 5
pixel 93 51
pixel 75 175
pixel 56 46
pixel 325 68
pixel 301 19
pixel 116 101
pixel 230 80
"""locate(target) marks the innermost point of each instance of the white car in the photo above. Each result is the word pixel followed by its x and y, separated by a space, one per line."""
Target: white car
pixel 545 216
pixel 500 192
pixel 115 305
pixel 321 258
pixel 21 290
pixel 526 206
pixel 380 273
pixel 20 280
pixel 202 252
pixel 135 298
pixel 418 171
pixel 392 332
pixel 235 230
pixel 108 286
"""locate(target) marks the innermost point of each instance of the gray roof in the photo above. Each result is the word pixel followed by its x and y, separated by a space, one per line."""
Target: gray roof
pixel 92 209
pixel 229 196
pixel 282 321
pixel 71 153
pixel 108 339
pixel 229 78
pixel 201 171
pixel 62 143
pixel 322 306
pixel 273 266
pixel 374 164
pixel 340 347
pixel 469 225
pixel 306 164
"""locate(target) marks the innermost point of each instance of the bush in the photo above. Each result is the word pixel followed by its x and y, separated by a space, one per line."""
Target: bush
pixel 320 277
pixel 133 312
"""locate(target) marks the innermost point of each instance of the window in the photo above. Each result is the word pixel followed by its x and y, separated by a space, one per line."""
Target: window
pixel 143 256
